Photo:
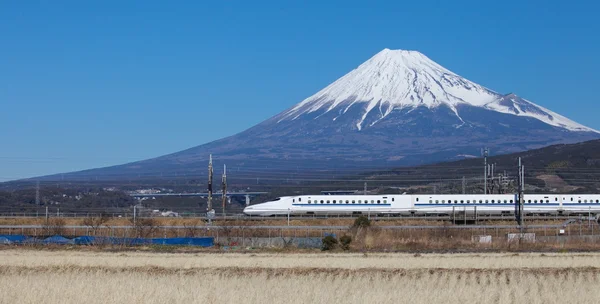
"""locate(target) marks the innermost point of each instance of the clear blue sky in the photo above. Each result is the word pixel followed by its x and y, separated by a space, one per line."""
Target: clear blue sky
pixel 85 84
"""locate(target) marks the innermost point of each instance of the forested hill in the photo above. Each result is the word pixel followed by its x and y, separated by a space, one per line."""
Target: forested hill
pixel 564 167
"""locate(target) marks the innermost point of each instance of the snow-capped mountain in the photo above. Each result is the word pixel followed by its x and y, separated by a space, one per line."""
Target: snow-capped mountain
pixel 394 80
pixel 397 108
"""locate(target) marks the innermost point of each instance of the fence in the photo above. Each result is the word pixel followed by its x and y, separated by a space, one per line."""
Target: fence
pixel 277 236
pixel 456 218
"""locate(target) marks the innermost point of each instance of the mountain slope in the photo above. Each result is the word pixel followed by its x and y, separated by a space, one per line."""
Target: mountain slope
pixel 397 108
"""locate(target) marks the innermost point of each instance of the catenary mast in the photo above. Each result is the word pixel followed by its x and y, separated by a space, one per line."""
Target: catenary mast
pixel 224 187
pixel 210 182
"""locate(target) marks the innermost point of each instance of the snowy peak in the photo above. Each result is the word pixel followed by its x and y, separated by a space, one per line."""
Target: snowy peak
pixel 399 79
pixel 396 79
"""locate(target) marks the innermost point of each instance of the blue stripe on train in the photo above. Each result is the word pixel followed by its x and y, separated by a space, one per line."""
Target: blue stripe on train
pixel 502 204
pixel 347 205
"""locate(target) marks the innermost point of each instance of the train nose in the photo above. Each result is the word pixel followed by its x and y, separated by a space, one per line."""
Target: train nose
pixel 248 211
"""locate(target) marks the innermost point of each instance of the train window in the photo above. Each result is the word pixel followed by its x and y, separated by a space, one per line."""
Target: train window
pixel 556 199
pixel 585 201
pixel 430 201
pixel 372 202
pixel 468 201
pixel 378 201
pixel 535 201
pixel 529 201
pixel 293 200
pixel 392 199
pixel 486 201
pixel 443 201
pixel 511 201
pixel 579 201
pixel 571 199
pixel 299 199
pixel 505 201
pixel 385 201
pixel 493 201
pixel 347 202
pixel 353 201
pixel 462 202
pixel 455 201
pixel 481 201
pixel 417 199
pixel 334 201
pixel 328 202
pixel 321 201
pixel 547 201
pixel 597 201
pixel 437 202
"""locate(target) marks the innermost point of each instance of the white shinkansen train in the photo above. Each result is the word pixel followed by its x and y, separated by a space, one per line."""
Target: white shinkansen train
pixel 442 204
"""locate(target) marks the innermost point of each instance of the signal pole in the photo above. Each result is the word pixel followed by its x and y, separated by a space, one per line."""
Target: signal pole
pixel 210 182
pixel 224 188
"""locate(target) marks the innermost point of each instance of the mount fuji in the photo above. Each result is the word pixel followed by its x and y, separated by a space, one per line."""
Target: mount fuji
pixel 397 108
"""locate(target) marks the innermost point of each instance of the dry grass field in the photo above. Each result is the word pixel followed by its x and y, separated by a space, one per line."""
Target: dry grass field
pixel 33 276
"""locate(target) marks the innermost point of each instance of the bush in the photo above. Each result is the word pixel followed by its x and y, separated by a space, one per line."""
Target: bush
pixel 95 222
pixel 345 242
pixel 329 243
pixel 144 227
pixel 361 222
pixel 55 226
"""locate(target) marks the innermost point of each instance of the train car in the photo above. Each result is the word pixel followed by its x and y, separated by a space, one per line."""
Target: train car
pixel 424 204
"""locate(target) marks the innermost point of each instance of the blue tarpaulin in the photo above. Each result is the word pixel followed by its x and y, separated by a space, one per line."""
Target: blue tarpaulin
pixel 91 240
pixel 203 241
pixel 14 238
pixel 57 239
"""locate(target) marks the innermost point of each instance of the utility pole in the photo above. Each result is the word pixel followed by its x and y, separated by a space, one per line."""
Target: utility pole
pixel 486 151
pixel 210 182
pixel 224 188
